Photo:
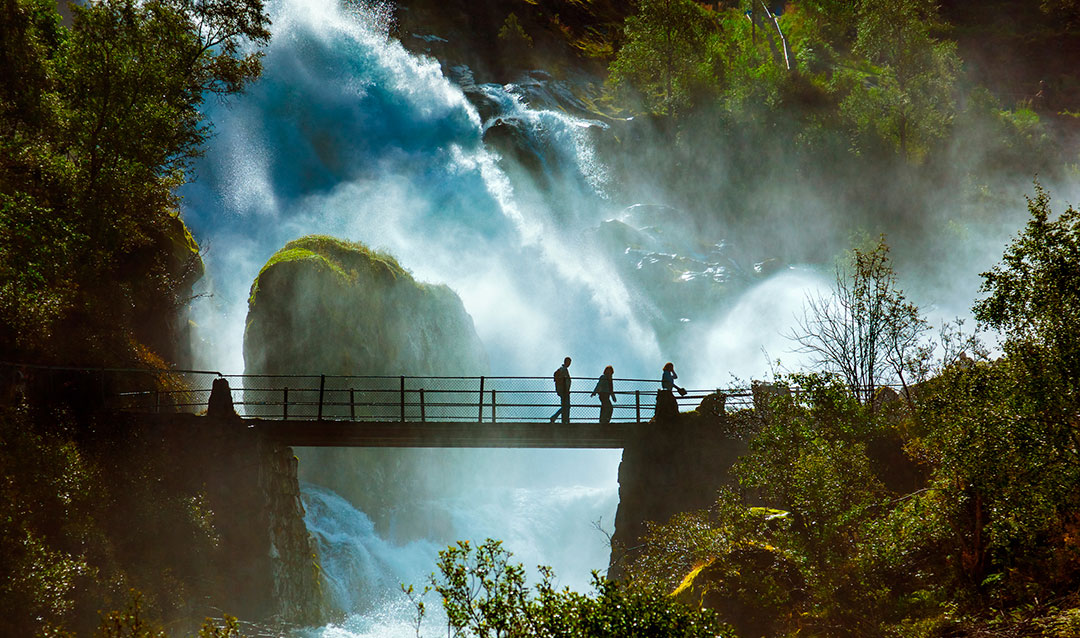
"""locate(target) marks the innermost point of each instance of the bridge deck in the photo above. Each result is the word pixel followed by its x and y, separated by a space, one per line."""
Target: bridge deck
pixel 446 434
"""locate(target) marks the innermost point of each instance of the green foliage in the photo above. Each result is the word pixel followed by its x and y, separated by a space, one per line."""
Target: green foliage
pixel 513 35
pixel 131 622
pixel 1034 294
pixel 727 559
pixel 229 628
pixel 1002 471
pixel 46 489
pixel 663 57
pixel 485 595
pixel 98 123
pixel 344 258
pixel 979 536
pixel 87 513
pixel 905 95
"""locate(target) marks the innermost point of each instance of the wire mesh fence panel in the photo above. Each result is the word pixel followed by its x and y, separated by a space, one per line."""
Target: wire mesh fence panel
pixel 276 396
pixel 185 391
pixel 157 391
pixel 361 398
pixel 119 389
pixel 378 398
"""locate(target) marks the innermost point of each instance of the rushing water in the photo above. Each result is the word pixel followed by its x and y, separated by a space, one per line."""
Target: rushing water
pixel 348 134
pixel 541 525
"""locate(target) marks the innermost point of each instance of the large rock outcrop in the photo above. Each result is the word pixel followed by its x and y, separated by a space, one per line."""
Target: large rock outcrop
pixel 327 306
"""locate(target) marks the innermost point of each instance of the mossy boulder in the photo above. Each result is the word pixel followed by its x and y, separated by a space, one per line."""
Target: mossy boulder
pixel 326 306
pixel 322 305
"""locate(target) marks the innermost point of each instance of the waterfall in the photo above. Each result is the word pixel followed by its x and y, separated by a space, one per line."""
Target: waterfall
pixel 349 134
pixel 364 572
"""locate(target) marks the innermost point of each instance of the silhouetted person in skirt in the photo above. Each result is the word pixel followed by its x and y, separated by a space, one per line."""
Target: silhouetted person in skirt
pixel 666 405
pixel 606 390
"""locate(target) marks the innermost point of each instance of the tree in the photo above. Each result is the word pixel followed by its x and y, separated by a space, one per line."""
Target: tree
pixel 866 330
pixel 97 128
pixel 513 36
pixel 907 99
pixel 1034 293
pixel 663 53
pixel 1034 300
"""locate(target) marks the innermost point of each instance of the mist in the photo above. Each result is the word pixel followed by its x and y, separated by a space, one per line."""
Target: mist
pixel 349 134
pixel 559 242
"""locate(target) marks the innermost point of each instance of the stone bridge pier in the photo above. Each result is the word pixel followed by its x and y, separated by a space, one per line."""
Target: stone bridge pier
pixel 672 465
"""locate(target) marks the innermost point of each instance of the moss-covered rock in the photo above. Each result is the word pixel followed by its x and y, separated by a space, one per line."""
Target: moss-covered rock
pixel 322 305
pixel 326 306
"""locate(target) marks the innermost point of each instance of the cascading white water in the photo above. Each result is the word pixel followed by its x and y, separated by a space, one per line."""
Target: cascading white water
pixel 350 135
pixel 540 525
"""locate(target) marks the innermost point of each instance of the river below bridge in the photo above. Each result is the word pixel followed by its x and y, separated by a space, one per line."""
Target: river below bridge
pixel 549 524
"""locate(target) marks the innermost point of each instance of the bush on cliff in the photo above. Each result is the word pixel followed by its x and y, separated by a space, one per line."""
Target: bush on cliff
pixel 90 508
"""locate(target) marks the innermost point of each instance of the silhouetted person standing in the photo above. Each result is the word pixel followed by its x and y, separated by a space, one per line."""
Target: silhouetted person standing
pixel 606 389
pixel 666 405
pixel 562 388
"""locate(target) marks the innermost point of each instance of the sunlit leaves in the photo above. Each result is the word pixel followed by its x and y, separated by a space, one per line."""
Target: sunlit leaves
pixel 485 595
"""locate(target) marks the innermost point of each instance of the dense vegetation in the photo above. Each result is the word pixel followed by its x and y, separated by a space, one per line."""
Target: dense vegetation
pixel 949 508
pixel 99 119
pixel 484 595
pixel 922 121
pixel 857 117
pixel 98 122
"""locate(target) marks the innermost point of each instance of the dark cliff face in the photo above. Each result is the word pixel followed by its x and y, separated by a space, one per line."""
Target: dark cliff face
pixel 500 39
pixel 324 306
pixel 670 466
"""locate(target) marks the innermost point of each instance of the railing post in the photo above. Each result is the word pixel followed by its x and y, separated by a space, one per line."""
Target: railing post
pixel 157 401
pixel 352 404
pixel 493 405
pixel 423 414
pixel 402 397
pixel 637 404
pixel 322 389
pixel 480 412
pixel 285 405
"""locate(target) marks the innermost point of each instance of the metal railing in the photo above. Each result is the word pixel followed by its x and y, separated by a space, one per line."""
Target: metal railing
pixel 485 399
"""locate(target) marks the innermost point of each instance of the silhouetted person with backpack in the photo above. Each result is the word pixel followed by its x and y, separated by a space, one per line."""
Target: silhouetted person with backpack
pixel 562 388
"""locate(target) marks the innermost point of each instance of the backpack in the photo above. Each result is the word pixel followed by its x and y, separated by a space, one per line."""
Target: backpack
pixel 560 380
